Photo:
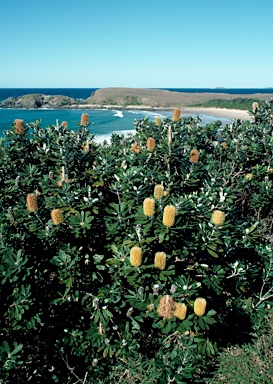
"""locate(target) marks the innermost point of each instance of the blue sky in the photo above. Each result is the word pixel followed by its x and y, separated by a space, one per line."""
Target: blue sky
pixel 140 43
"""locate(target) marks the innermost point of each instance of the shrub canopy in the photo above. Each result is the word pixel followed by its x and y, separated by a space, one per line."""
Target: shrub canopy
pixel 82 296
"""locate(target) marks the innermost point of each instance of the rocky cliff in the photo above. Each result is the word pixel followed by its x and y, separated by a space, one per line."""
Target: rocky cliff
pixel 39 101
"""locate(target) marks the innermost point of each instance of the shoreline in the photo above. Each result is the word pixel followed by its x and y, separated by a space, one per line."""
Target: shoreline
pixel 211 111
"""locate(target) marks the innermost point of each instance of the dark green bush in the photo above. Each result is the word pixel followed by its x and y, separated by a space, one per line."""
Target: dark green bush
pixel 78 304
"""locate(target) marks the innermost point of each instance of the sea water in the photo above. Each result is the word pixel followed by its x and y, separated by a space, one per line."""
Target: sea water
pixel 103 122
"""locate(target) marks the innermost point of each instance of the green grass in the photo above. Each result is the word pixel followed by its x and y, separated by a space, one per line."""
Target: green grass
pixel 238 103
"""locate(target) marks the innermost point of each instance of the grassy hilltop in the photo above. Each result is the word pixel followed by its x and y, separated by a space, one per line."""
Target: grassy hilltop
pixel 156 98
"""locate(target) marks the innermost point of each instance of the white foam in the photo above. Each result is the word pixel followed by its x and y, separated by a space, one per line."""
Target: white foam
pixel 107 137
pixel 118 113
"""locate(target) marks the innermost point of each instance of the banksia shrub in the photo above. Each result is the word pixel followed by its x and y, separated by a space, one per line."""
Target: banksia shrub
pixel 136 256
pixel 150 143
pixel 135 148
pixel 57 216
pixel 19 126
pixel 200 306
pixel 32 204
pixel 158 121
pixel 84 119
pixel 166 307
pixel 176 115
pixel 194 156
pixel 218 217
pixel 149 207
pixel 180 311
pixel 160 260
pixel 158 191
pixel 169 215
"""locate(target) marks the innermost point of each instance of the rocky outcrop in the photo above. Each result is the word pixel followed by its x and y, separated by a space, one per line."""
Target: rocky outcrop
pixel 35 101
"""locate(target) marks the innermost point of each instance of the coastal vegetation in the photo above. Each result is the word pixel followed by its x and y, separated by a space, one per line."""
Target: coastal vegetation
pixel 236 103
pixel 144 260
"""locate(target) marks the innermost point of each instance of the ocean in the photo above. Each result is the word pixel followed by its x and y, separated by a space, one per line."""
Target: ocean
pixel 104 122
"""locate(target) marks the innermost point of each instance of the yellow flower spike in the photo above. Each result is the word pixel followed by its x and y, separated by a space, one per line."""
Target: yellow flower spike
pixel 218 217
pixel 166 307
pixel 180 311
pixel 158 121
pixel 158 191
pixel 19 126
pixel 160 260
pixel 224 145
pixel 200 305
pixel 150 143
pixel 176 115
pixel 249 176
pixel 194 156
pixel 255 106
pixel 136 256
pixel 84 119
pixel 149 207
pixel 57 216
pixel 169 215
pixel 135 148
pixel 32 204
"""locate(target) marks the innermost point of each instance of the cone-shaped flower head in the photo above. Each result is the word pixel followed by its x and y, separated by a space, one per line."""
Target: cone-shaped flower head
pixel 158 191
pixel 135 148
pixel 194 156
pixel 57 216
pixel 64 124
pixel 249 176
pixel 166 307
pixel 32 204
pixel 160 260
pixel 176 114
pixel 224 145
pixel 169 215
pixel 218 217
pixel 158 121
pixel 19 126
pixel 150 143
pixel 180 311
pixel 200 306
pixel 84 119
pixel 149 207
pixel 136 256
pixel 255 106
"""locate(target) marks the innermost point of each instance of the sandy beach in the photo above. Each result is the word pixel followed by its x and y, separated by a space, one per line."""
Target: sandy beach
pixel 218 112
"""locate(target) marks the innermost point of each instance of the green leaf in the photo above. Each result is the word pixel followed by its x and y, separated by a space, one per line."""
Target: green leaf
pixel 212 253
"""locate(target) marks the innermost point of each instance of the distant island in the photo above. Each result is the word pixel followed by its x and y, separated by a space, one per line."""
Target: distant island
pixel 136 98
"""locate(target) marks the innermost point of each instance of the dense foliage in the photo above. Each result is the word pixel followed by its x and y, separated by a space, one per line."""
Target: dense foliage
pixel 134 261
